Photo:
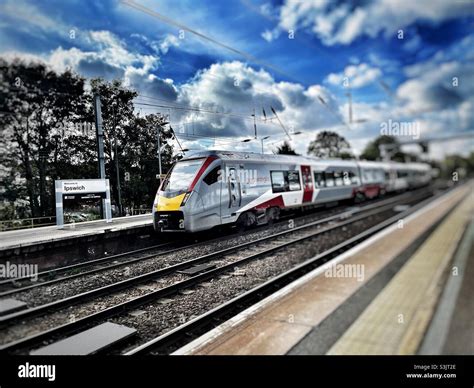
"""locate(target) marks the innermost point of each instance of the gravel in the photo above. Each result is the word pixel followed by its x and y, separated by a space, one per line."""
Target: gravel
pixel 41 295
pixel 160 316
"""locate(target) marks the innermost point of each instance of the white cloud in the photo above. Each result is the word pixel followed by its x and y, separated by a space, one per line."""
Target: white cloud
pixel 357 75
pixel 28 17
pixel 216 89
pixel 432 86
pixel 271 35
pixel 342 24
pixel 169 41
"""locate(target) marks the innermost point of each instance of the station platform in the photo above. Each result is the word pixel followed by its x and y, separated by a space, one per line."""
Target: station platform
pixel 17 239
pixel 414 297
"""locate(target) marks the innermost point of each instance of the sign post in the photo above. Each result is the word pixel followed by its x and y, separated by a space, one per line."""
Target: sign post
pixel 81 186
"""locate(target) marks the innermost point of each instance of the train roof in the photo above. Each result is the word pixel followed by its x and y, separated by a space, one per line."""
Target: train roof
pixel 239 156
pixel 256 157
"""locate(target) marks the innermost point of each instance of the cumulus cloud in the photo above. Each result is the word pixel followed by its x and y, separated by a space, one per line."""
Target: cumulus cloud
pixel 357 75
pixel 235 89
pixel 343 23
pixel 435 86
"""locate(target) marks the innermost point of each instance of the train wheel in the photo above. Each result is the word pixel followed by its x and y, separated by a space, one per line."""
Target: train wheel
pixel 359 197
pixel 272 214
pixel 246 220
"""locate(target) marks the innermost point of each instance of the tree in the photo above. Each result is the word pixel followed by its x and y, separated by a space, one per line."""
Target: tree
pixel 35 103
pixel 330 145
pixel 140 159
pixel 130 144
pixel 48 133
pixel 457 163
pixel 373 150
pixel 285 149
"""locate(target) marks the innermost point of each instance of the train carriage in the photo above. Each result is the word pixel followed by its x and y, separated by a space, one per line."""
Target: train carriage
pixel 213 188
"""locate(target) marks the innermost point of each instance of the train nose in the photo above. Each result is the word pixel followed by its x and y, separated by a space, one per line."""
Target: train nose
pixel 169 221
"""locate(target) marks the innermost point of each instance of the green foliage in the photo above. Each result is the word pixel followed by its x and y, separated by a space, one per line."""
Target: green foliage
pixel 285 149
pixel 464 166
pixel 48 133
pixel 329 144
pixel 372 150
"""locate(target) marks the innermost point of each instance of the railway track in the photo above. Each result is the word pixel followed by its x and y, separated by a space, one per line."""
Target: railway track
pixel 64 273
pixel 222 261
pixel 181 335
pixel 10 287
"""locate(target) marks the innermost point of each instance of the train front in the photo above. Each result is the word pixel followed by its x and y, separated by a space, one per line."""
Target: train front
pixel 176 198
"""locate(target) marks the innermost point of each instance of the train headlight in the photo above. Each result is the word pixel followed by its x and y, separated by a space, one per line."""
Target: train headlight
pixel 186 197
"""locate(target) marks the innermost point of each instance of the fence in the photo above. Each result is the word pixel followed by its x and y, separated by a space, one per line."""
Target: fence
pixel 35 222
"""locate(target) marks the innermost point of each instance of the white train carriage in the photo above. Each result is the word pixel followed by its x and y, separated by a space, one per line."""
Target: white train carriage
pixel 213 188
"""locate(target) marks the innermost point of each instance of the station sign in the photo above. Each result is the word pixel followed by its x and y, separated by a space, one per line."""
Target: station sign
pixel 82 189
pixel 83 186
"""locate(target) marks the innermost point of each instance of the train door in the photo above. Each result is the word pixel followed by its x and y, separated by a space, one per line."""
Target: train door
pixel 307 184
pixel 232 190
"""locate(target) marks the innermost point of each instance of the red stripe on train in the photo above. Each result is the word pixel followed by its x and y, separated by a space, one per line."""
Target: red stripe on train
pixel 203 168
pixel 274 202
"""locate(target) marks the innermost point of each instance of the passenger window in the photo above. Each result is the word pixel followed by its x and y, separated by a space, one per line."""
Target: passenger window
pixel 329 178
pixel 367 176
pixel 346 177
pixel 338 178
pixel 278 181
pixel 285 181
pixel 354 178
pixel 294 180
pixel 380 176
pixel 319 179
pixel 212 176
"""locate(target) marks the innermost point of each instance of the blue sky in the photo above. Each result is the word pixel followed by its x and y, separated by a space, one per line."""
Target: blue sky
pixel 400 59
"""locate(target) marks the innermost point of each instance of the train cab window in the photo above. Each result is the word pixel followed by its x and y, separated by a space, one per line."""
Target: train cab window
pixel 180 177
pixel 338 178
pixel 212 176
pixel 278 181
pixel 319 179
pixel 329 178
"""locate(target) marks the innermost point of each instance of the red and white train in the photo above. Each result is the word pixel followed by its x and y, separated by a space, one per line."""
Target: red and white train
pixel 213 188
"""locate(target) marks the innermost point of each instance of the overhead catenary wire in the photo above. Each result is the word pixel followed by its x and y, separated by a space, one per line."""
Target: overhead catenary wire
pixel 183 27
pixel 245 55
pixel 250 117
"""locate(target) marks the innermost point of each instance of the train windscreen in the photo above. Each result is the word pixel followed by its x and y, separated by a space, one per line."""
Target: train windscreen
pixel 181 177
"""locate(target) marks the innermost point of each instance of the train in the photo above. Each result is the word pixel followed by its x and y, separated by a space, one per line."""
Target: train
pixel 209 189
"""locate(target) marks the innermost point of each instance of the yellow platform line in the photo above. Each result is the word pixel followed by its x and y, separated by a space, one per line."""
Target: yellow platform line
pixel 396 320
